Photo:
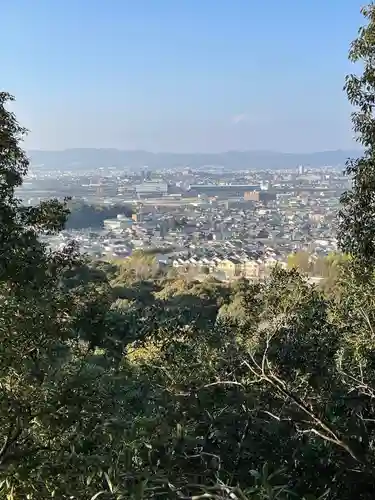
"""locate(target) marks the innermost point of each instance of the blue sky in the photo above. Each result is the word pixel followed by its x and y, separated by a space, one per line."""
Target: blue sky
pixel 180 75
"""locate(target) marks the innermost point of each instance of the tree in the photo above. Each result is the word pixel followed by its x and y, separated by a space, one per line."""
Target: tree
pixel 300 260
pixel 298 376
pixel 168 388
pixel 59 419
pixel 83 215
pixel 140 266
pixel 357 216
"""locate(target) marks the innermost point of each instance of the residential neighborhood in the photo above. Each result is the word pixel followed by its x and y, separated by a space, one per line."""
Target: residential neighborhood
pixel 203 221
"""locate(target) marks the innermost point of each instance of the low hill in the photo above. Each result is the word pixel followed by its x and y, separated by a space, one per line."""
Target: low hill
pixel 95 158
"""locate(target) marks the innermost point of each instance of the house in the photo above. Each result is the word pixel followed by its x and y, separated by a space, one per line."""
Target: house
pixel 230 266
pixel 250 269
pixel 271 262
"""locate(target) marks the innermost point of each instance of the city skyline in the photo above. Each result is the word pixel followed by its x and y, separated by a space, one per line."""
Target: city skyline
pixel 187 77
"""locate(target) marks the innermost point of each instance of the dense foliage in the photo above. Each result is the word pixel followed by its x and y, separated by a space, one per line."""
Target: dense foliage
pixel 84 216
pixel 120 381
pixel 357 226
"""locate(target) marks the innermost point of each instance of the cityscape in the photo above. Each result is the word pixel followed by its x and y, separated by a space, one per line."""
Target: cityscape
pixel 187 250
pixel 199 221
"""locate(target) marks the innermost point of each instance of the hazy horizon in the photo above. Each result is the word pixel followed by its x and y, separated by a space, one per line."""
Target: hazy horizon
pixel 260 151
pixel 185 77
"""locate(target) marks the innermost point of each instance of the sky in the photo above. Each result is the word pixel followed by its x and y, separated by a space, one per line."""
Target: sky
pixel 180 75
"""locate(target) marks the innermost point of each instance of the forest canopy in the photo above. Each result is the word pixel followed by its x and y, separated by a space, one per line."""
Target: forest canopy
pixel 122 382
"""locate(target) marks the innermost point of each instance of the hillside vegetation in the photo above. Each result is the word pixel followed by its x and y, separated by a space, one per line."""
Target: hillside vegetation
pixel 83 216
pixel 119 382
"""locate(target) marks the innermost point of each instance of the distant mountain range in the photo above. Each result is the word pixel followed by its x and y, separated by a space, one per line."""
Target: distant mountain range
pixel 95 158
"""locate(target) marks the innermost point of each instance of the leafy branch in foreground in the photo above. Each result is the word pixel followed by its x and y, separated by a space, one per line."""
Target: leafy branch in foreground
pixel 357 215
pixel 120 383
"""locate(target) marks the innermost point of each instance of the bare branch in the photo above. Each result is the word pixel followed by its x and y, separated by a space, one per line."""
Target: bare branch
pixel 264 372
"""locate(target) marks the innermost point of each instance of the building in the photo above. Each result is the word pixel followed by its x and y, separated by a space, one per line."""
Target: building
pixel 259 196
pixel 222 190
pixel 230 267
pixel 151 188
pixel 252 196
pixel 146 174
pixel 251 269
pixel 120 223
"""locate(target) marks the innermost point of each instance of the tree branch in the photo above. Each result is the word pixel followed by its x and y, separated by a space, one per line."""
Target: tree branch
pixel 14 433
pixel 264 372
